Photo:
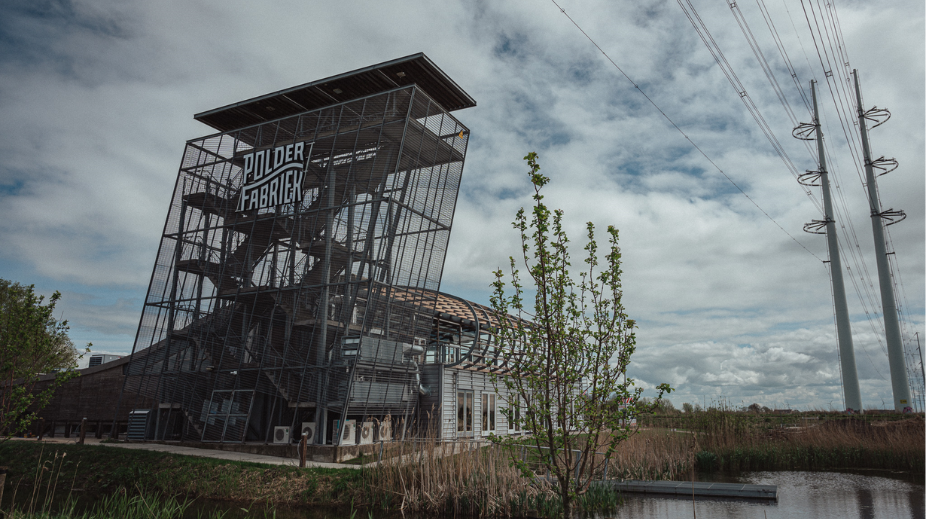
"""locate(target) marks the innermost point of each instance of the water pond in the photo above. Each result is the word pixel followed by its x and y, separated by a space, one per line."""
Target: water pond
pixel 861 494
pixel 817 495
pixel 813 495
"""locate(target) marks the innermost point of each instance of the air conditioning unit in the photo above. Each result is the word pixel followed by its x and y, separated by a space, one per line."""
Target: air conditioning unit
pixel 366 433
pixel 349 432
pixel 280 434
pixel 384 431
pixel 308 430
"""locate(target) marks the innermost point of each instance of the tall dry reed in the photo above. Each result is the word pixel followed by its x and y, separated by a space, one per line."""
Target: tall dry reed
pixel 657 454
pixel 44 503
pixel 469 477
pixel 719 438
pixel 823 445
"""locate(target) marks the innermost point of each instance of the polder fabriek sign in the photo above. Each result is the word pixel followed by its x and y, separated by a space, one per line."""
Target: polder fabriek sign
pixel 274 177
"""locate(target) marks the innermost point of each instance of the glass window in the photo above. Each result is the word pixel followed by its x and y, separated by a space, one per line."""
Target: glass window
pixel 464 411
pixel 488 413
pixel 461 401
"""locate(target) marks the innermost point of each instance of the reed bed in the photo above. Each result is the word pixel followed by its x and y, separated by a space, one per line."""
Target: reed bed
pixel 121 505
pixel 722 439
pixel 43 500
pixel 473 479
pixel 454 478
pixel 827 445
pixel 657 454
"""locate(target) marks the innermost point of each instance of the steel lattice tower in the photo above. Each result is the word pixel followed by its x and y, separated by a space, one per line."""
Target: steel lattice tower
pixel 313 303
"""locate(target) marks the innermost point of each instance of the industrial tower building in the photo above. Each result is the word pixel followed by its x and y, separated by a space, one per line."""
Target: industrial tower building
pixel 297 284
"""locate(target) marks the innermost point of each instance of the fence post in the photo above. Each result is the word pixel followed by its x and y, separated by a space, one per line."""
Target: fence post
pixel 83 431
pixel 382 445
pixel 3 471
pixel 302 448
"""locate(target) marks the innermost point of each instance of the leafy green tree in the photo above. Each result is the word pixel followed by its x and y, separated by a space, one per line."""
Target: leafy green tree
pixel 665 406
pixel 568 351
pixel 32 343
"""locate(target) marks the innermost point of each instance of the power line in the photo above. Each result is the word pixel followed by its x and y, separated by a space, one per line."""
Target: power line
pixel 605 54
pixel 855 252
pixel 857 277
pixel 782 51
pixel 828 73
pixel 704 33
pixel 772 79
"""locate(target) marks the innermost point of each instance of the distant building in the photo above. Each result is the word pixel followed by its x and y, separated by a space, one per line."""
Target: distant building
pixel 98 359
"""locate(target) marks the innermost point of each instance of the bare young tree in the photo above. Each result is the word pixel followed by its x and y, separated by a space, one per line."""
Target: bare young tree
pixel 569 351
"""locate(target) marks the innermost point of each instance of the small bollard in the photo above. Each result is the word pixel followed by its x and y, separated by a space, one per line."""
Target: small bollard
pixel 83 431
pixel 3 471
pixel 302 447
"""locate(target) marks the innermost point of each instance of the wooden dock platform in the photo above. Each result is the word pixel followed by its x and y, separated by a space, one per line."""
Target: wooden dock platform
pixel 698 489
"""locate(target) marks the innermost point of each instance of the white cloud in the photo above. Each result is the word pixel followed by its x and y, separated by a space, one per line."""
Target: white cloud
pixel 97 101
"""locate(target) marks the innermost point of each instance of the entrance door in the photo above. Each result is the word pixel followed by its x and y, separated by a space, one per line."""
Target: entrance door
pixel 464 413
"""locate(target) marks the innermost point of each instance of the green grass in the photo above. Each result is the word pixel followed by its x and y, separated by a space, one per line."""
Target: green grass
pixel 100 470
pixel 121 505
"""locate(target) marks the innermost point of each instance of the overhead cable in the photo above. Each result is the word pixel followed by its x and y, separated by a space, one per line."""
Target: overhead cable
pixel 669 119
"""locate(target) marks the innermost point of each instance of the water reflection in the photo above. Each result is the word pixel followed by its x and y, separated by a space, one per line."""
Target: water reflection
pixel 816 495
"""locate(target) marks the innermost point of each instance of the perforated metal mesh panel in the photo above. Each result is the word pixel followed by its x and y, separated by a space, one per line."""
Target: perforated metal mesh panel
pixel 263 318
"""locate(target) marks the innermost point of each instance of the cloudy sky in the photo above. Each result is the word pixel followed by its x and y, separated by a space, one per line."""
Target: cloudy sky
pixel 97 99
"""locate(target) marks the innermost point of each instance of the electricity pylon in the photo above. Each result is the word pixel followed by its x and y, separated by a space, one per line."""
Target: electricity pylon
pixel 827 226
pixel 899 383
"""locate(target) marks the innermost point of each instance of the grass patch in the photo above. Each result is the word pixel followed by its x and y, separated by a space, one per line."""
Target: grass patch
pixel 120 504
pixel 99 471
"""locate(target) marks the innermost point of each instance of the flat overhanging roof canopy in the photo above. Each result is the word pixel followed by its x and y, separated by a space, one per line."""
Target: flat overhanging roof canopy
pixel 415 69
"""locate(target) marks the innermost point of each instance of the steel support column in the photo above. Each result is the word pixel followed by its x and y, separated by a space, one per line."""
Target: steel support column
pixel 843 327
pixel 899 383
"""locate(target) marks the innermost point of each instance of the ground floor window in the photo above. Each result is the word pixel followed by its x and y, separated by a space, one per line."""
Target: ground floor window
pixel 464 411
pixel 488 413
